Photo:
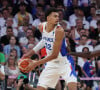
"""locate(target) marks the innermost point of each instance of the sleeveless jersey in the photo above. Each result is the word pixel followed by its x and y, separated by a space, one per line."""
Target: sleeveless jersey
pixel 49 38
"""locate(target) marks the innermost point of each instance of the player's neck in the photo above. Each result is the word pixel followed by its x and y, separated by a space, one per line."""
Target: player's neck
pixel 49 27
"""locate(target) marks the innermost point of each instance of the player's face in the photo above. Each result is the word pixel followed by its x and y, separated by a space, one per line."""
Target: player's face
pixel 53 18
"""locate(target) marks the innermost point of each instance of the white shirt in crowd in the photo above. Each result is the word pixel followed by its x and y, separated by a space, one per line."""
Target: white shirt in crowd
pixel 93 24
pixel 79 49
pixel 36 22
pixel 72 21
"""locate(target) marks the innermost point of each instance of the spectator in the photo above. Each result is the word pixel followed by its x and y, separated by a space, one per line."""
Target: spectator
pixel 93 23
pixel 30 46
pixel 63 22
pixel 41 2
pixel 84 3
pixel 13 53
pixel 82 33
pixel 22 15
pixel 9 23
pixel 93 13
pixel 52 3
pixel 6 14
pixel 74 16
pixel 35 10
pixel 10 10
pixel 5 39
pixel 94 42
pixel 5 3
pixel 29 32
pixel 18 2
pixel 75 32
pixel 11 69
pixel 79 14
pixel 31 40
pixel 11 45
pixel 23 50
pixel 24 39
pixel 88 69
pixel 79 48
pixel 67 3
pixel 40 19
pixel 22 31
pixel 2 20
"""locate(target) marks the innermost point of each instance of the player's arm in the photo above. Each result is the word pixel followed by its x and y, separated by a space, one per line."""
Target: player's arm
pixel 86 54
pixel 81 54
pixel 56 46
pixel 95 53
pixel 39 46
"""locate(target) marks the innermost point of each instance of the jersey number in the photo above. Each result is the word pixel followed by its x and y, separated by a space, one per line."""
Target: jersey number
pixel 48 46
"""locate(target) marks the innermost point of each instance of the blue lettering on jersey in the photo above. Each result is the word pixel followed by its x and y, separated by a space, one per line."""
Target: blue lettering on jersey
pixel 47 44
pixel 48 39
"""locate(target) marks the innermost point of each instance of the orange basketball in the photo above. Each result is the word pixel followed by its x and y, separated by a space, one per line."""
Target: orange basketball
pixel 23 64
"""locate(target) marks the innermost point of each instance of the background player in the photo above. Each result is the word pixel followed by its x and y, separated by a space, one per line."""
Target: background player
pixel 57 62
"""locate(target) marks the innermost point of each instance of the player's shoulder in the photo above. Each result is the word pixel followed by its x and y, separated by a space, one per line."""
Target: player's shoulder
pixel 59 29
pixel 40 26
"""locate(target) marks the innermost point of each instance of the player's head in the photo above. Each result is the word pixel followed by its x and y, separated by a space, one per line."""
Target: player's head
pixel 52 15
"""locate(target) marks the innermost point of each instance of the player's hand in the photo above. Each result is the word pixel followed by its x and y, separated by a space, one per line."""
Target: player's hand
pixel 32 66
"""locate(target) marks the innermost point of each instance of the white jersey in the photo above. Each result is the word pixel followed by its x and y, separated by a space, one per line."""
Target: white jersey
pixel 49 38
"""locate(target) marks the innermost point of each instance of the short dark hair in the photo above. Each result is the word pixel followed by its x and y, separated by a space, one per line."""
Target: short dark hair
pixel 22 4
pixel 93 7
pixel 4 9
pixel 49 11
pixel 85 48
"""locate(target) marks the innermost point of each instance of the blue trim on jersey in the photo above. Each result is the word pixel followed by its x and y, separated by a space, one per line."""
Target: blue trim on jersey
pixel 64 52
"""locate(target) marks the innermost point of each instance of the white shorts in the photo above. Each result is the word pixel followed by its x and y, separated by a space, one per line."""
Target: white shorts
pixel 50 75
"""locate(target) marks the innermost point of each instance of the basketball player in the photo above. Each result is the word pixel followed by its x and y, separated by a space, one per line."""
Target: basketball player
pixel 86 54
pixel 57 62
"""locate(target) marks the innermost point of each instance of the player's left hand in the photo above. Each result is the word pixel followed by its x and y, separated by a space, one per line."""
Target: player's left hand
pixel 32 66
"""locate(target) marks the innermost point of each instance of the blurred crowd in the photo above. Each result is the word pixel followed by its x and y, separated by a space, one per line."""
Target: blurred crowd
pixel 19 20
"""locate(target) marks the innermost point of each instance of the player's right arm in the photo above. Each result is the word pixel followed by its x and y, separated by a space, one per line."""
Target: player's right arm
pixel 39 46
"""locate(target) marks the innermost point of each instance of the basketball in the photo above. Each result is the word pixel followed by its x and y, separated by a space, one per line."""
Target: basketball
pixel 23 64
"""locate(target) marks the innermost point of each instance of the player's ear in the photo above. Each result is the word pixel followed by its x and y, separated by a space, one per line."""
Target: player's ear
pixel 48 18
